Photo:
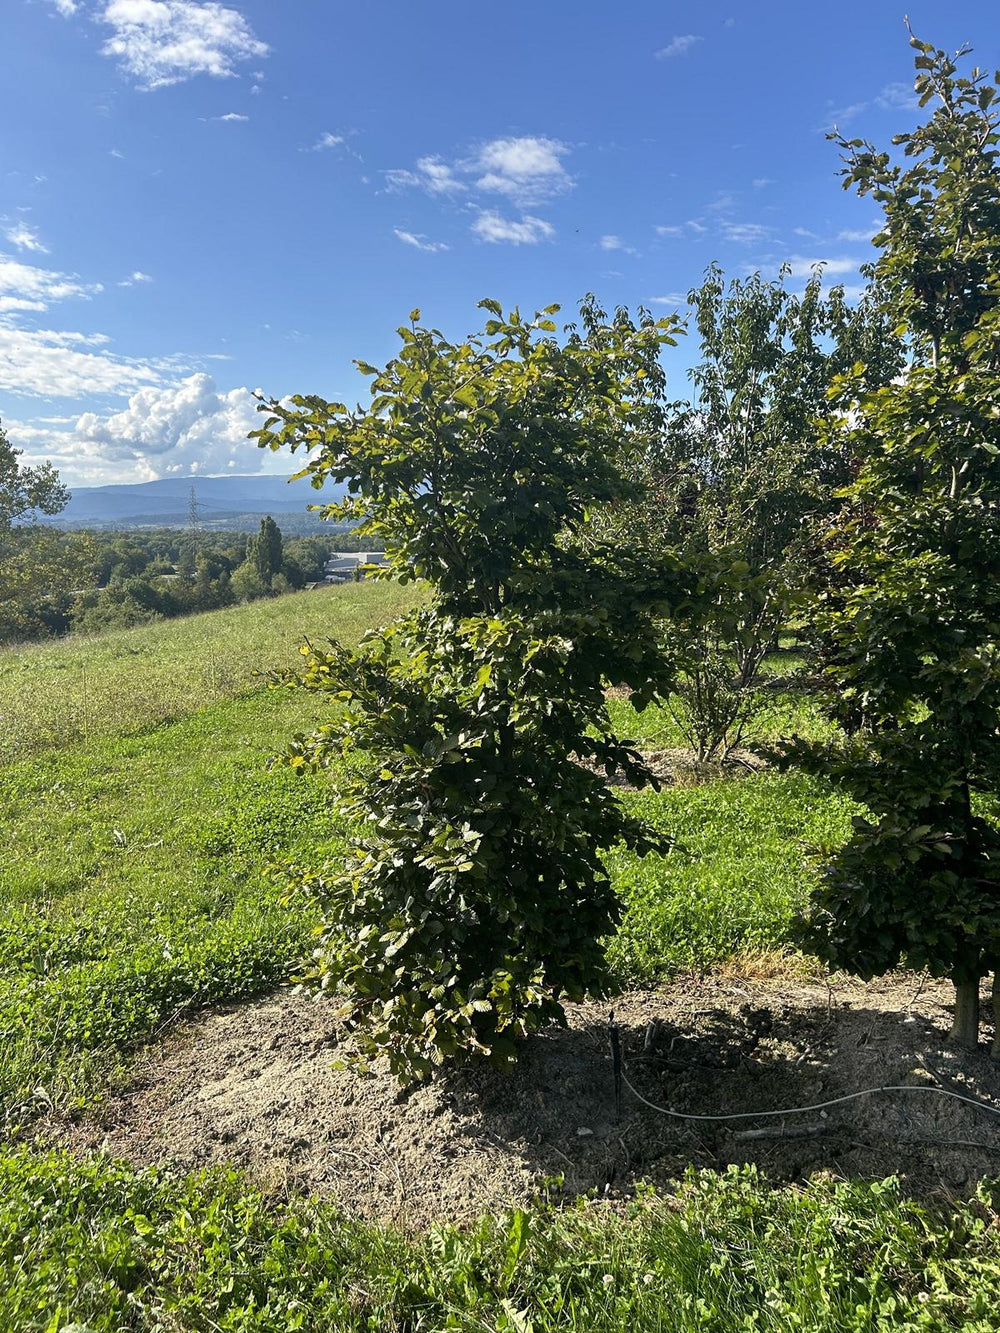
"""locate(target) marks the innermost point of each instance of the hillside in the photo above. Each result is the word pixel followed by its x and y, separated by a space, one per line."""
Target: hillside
pixel 222 502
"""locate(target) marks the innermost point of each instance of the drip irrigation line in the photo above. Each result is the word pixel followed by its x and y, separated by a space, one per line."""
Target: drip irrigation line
pixel 816 1106
pixel 621 1077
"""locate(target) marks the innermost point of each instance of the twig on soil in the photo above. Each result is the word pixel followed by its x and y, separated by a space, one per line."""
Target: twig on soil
pixel 788 1132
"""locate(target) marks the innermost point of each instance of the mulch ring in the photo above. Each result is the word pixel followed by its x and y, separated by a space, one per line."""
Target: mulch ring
pixel 252 1085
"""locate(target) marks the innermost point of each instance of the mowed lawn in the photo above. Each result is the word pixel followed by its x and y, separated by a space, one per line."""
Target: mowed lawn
pixel 145 876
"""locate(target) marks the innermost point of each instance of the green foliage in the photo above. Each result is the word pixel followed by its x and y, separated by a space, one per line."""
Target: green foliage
pixel 476 898
pixel 911 623
pixel 35 563
pixel 100 1246
pixel 264 552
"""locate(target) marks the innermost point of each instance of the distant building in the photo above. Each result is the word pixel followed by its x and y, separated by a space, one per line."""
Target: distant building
pixel 347 565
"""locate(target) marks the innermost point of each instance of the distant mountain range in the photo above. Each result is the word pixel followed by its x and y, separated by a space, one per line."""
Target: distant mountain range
pixel 222 502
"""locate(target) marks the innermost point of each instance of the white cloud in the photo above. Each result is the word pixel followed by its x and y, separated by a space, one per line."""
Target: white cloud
pixel 491 227
pixel 67 8
pixel 762 182
pixel 327 140
pixel 670 231
pixel 419 241
pixel 678 46
pixel 115 152
pixel 696 227
pixel 231 117
pixel 897 96
pixel 25 238
pixel 45 363
pixel 616 243
pixel 187 427
pixel 671 298
pixel 801 266
pixel 527 169
pixel 857 234
pixel 160 42
pixel 40 286
pixel 745 233
pixel 135 278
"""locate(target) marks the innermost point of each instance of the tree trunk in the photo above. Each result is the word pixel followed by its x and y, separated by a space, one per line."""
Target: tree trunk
pixel 996 1015
pixel 965 1028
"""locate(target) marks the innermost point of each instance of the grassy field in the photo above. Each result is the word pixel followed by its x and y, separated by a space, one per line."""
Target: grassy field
pixel 142 880
pixel 78 690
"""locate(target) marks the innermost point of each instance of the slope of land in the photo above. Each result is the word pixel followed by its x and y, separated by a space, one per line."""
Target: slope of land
pixel 147 835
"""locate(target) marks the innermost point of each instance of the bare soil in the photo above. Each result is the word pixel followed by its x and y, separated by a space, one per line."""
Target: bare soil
pixel 252 1085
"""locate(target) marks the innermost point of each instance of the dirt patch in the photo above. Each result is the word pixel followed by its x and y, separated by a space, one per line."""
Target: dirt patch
pixel 681 767
pixel 252 1085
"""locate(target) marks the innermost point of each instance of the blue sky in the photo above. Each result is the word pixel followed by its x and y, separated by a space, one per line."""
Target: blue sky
pixel 197 199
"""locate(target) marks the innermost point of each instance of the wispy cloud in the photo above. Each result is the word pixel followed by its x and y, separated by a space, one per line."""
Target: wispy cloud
pixel 27 287
pixel 801 266
pixel 25 238
pixel 46 363
pixel 616 243
pixel 678 46
pixel 897 96
pixel 857 234
pixel 134 279
pixel 67 8
pixel 745 233
pixel 671 298
pixel 231 117
pixel 419 241
pixel 669 231
pixel 161 42
pixel 491 227
pixel 327 140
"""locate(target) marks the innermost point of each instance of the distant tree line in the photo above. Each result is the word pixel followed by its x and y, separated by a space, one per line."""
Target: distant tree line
pixel 54 582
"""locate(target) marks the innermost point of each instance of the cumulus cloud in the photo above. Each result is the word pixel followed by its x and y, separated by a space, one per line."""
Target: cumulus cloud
pixel 188 427
pixel 491 227
pixel 527 169
pixel 67 8
pixel 419 241
pixel 161 42
pixel 20 283
pixel 678 46
pixel 25 238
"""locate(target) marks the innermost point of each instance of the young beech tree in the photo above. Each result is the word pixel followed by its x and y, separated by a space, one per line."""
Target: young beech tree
pixel 475 898
pixel 912 620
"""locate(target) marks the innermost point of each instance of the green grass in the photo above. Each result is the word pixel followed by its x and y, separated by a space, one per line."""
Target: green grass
pixel 142 880
pixel 80 690
pixel 103 1248
pixel 739 870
